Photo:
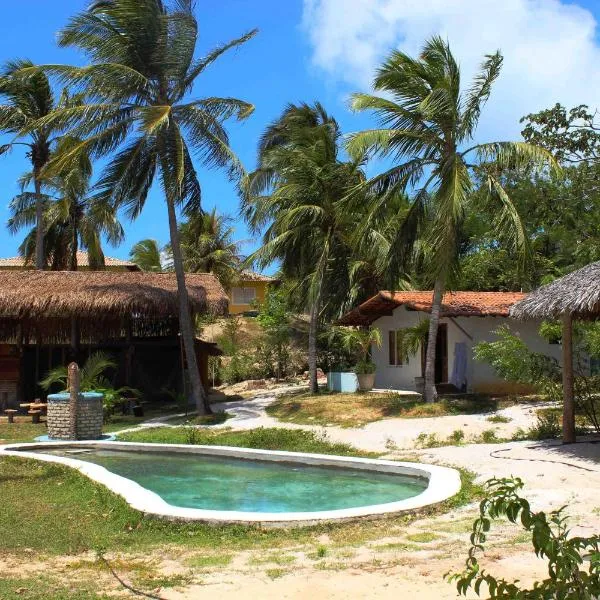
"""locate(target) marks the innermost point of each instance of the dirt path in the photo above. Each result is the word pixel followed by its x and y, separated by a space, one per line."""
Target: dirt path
pixel 381 436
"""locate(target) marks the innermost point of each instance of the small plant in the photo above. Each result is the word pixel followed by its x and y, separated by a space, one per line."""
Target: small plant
pixel 358 341
pixel 489 436
pixel 498 419
pixel 193 437
pixel 573 562
pixel 456 437
pixel 425 440
pixel 546 427
pixel 321 551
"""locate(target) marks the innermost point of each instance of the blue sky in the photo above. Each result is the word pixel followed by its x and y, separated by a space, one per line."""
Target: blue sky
pixel 324 49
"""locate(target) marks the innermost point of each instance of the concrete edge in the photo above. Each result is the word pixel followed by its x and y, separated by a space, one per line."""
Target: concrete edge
pixel 443 482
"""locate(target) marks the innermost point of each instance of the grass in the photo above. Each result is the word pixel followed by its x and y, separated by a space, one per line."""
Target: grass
pixel 86 516
pixel 43 587
pixel 498 419
pixel 422 537
pixel 354 410
pixel 215 419
pixel 20 432
pixel 292 440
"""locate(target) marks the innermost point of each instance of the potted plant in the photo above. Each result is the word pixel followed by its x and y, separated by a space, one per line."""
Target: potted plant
pixel 414 339
pixel 358 341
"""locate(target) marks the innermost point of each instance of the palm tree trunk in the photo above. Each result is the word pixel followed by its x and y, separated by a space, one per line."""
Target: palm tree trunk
pixel 40 262
pixel 430 394
pixel 312 345
pixel 185 319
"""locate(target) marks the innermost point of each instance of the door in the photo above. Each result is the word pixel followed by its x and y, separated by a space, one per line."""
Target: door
pixel 441 354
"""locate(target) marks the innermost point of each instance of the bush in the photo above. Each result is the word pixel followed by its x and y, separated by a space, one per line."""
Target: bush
pixel 565 555
pixel 547 425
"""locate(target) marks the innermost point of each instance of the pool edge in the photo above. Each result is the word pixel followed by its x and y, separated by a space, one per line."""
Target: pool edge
pixel 443 482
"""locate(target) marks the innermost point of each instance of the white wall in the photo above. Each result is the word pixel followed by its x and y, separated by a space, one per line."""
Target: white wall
pixel 480 376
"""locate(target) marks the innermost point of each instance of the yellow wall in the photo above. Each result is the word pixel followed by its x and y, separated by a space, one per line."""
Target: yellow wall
pixel 261 291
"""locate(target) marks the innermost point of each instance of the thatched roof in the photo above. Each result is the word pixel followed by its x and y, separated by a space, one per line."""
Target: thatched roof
pixel 454 304
pixel 111 263
pixel 577 294
pixel 101 301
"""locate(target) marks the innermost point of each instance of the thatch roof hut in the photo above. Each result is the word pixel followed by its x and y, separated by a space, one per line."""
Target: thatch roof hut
pixel 44 303
pixel 577 294
pixel 574 296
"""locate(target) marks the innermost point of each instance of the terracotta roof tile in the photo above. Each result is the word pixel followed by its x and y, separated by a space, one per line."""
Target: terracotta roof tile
pixel 454 304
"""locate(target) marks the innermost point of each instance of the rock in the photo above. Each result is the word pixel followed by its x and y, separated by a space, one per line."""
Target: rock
pixel 255 384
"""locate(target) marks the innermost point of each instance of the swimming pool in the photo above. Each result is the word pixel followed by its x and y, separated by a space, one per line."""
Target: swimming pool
pixel 215 483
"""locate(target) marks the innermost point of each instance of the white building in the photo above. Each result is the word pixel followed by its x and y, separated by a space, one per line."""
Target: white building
pixel 467 319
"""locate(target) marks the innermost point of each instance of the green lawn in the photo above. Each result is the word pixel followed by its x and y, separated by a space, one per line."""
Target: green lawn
pixel 355 410
pixel 292 440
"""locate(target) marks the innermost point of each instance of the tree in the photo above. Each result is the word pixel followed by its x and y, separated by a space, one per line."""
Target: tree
pixel 572 136
pixel 146 254
pixel 207 246
pixel 73 219
pixel 137 91
pixel 299 192
pixel 26 100
pixel 427 125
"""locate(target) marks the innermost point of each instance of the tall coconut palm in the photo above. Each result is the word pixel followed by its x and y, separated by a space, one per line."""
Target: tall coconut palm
pixel 298 193
pixel 138 103
pixel 146 254
pixel 428 123
pixel 23 101
pixel 207 246
pixel 72 218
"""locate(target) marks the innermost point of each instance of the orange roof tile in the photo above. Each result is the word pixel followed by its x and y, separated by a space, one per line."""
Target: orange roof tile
pixel 454 304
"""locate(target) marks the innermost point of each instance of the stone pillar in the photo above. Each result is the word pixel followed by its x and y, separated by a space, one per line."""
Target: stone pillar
pixel 73 382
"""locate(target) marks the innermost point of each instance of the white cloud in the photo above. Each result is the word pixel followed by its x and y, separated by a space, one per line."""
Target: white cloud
pixel 549 47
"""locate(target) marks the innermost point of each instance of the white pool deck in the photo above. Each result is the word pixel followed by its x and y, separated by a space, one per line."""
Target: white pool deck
pixel 443 482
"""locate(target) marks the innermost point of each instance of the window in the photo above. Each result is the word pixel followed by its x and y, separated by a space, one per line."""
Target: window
pixel 243 295
pixel 395 349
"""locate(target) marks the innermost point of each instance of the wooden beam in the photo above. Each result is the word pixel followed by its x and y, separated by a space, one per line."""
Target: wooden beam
pixel 568 396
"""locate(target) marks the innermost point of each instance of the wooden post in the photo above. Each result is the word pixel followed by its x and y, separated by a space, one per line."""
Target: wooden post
pixel 568 399
pixel 73 378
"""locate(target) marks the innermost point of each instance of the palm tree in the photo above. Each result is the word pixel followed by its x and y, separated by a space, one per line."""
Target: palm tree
pixel 298 193
pixel 427 126
pixel 72 219
pixel 137 91
pixel 26 100
pixel 146 254
pixel 207 246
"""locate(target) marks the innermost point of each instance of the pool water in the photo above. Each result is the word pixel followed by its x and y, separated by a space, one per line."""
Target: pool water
pixel 234 484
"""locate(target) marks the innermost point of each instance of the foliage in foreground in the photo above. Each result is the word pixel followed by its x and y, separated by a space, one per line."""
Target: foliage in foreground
pixel 568 578
pixel 514 361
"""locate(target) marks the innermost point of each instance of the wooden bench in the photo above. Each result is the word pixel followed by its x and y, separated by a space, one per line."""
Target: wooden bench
pixel 35 415
pixel 10 413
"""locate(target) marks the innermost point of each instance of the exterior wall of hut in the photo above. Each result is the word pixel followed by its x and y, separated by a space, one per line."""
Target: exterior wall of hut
pixel 480 377
pixel 153 366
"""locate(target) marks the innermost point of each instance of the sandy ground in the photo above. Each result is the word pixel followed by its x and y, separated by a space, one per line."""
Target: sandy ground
pixel 379 436
pixel 554 475
pixel 401 562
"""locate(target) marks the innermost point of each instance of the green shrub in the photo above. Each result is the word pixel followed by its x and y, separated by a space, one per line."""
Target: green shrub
pixel 456 437
pixel 488 436
pixel 498 419
pixel 546 427
pixel 573 562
